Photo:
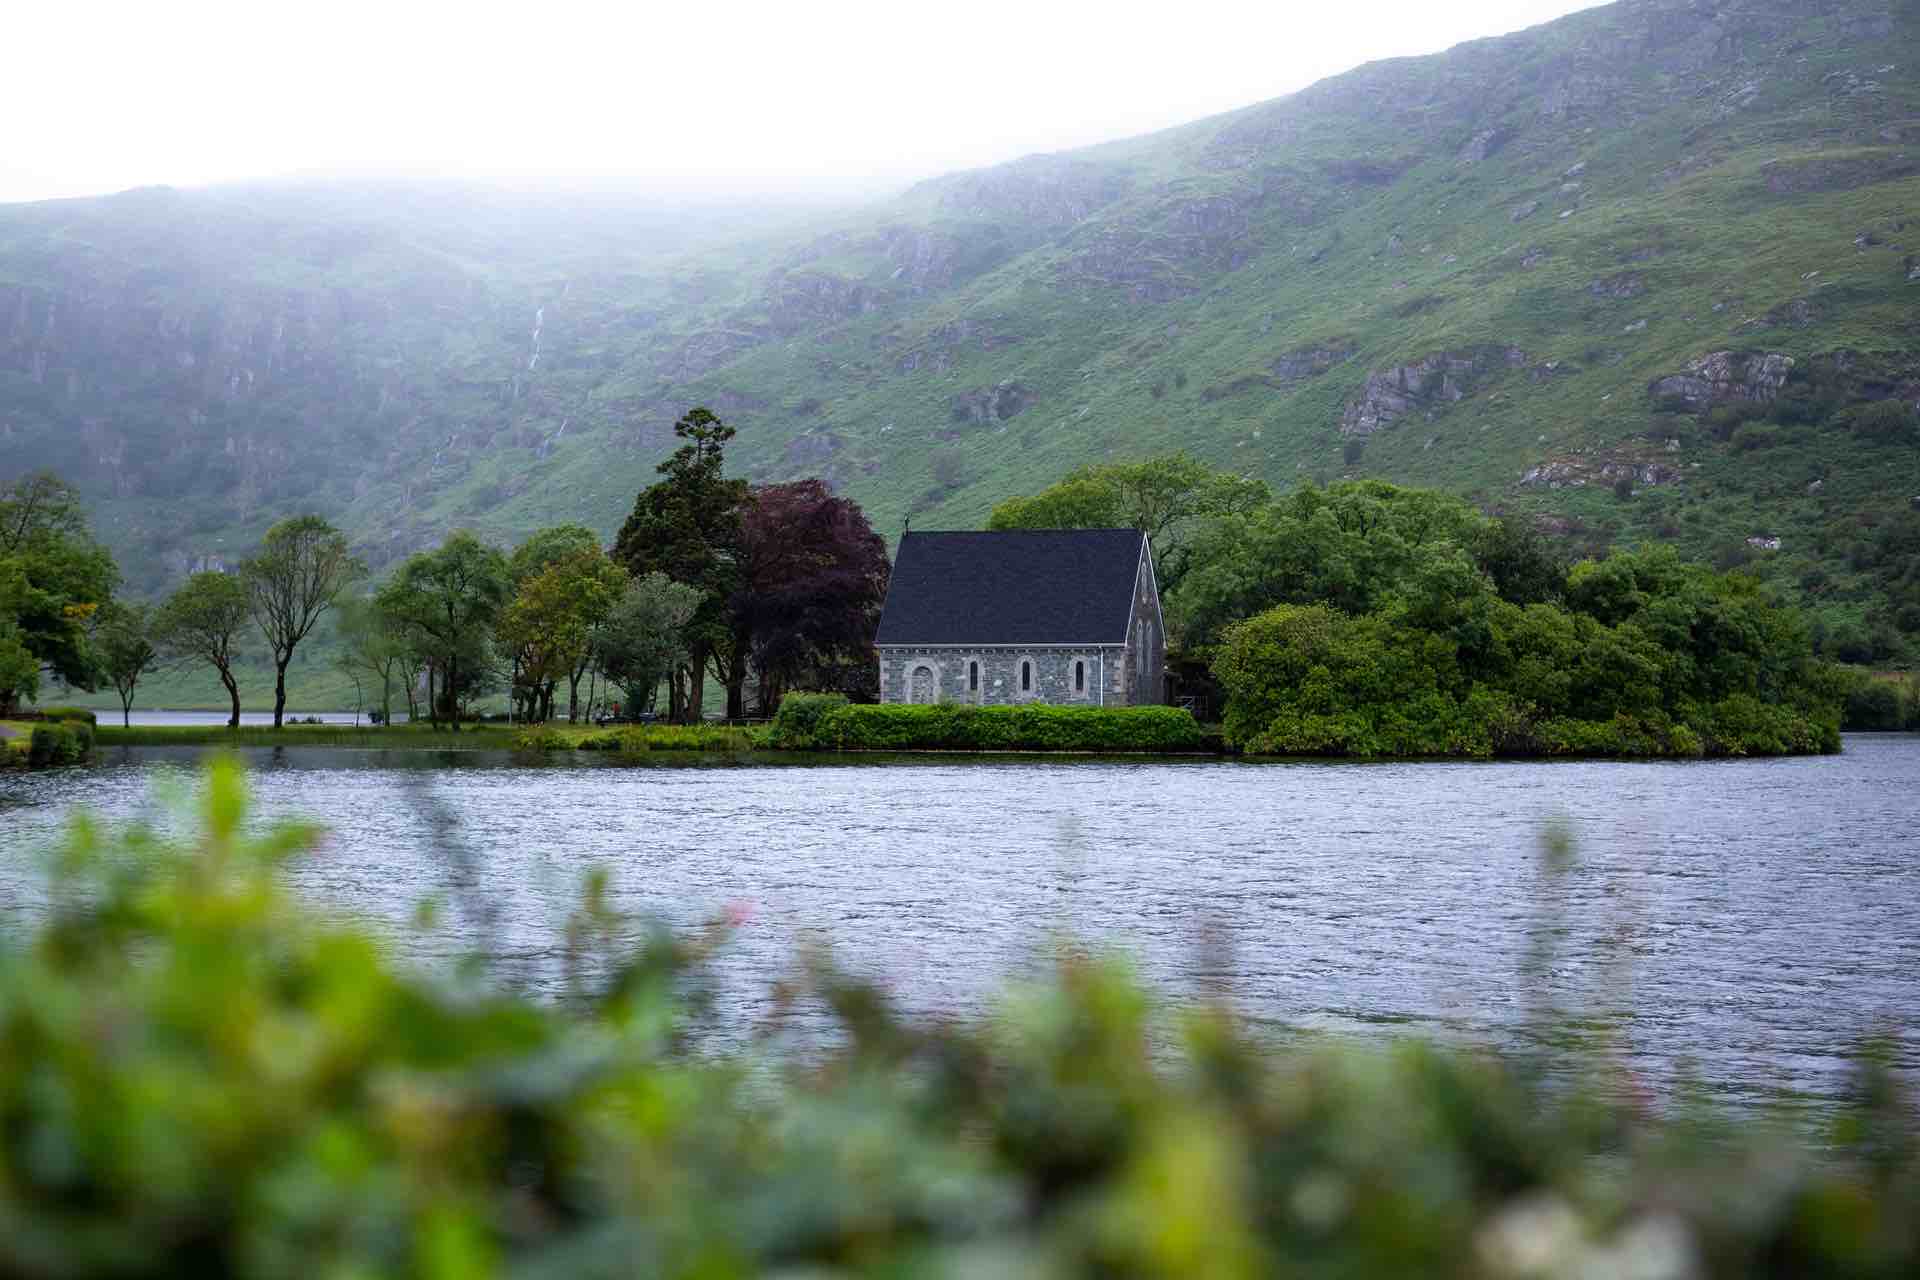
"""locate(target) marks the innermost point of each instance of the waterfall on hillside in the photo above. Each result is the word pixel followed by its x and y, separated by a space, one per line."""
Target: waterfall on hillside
pixel 539 322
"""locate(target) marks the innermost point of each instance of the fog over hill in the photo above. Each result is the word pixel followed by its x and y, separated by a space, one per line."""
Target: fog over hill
pixel 1641 271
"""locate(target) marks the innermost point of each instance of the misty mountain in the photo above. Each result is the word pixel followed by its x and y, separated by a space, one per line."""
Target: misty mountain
pixel 1642 271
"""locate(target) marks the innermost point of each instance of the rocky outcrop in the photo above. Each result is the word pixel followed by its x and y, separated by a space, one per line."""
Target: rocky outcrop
pixel 1165 252
pixel 997 403
pixel 1312 361
pixel 708 350
pixel 1839 173
pixel 814 449
pixel 1577 473
pixel 1628 284
pixel 1723 377
pixel 1484 144
pixel 1043 191
pixel 943 345
pixel 1444 378
pixel 802 299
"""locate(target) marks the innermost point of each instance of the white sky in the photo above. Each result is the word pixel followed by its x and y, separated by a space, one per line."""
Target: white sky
pixel 101 95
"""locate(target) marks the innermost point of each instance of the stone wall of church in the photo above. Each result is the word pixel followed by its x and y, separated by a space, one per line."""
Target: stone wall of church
pixel 1062 676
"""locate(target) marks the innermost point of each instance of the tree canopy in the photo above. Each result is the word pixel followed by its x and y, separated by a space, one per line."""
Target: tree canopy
pixel 687 526
pixel 205 621
pixel 1165 497
pixel 446 601
pixel 53 576
pixel 302 566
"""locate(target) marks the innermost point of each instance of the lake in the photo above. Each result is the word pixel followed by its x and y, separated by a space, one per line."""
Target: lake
pixel 1744 924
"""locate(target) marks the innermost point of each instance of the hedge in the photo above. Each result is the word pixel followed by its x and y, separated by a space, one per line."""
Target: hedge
pixel 958 727
pixel 633 739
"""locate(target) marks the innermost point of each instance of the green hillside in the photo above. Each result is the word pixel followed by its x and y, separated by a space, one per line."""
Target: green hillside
pixel 1643 271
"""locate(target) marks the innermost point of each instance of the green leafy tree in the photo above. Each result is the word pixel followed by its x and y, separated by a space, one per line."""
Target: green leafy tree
pixel 1165 497
pixel 19 669
pixel 550 624
pixel 1350 546
pixel 123 636
pixel 299 572
pixel 536 555
pixel 53 576
pixel 644 638
pixel 687 526
pixel 204 621
pixel 373 646
pixel 448 601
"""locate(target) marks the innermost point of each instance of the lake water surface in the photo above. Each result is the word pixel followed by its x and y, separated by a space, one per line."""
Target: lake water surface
pixel 1744 924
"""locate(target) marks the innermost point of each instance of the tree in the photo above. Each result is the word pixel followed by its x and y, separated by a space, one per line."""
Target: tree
pixel 549 626
pixel 813 575
pixel 1350 546
pixel 123 635
pixel 1165 497
pixel 203 622
pixel 644 638
pixel 371 645
pixel 448 600
pixel 53 576
pixel 19 669
pixel 596 583
pixel 687 526
pixel 302 567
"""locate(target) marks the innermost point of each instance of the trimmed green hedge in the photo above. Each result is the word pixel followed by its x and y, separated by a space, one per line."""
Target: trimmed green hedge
pixel 632 739
pixel 955 727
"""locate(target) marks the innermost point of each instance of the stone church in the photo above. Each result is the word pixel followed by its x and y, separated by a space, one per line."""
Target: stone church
pixel 1066 616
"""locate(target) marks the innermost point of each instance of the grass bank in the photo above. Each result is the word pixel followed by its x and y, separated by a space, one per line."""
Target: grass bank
pixel 393 737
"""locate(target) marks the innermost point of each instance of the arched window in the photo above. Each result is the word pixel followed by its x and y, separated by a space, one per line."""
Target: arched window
pixel 1026 676
pixel 1080 677
pixel 973 677
pixel 922 688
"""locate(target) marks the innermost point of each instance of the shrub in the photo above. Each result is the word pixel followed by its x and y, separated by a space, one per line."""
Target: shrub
pixel 796 725
pixel 1352 451
pixel 1031 726
pixel 62 743
pixel 1884 422
pixel 1751 438
pixel 1873 706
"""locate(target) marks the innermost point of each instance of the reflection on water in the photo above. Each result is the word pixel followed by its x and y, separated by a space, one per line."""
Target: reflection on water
pixel 1742 923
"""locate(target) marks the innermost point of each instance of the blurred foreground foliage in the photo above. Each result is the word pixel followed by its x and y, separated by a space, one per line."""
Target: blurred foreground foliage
pixel 199 1077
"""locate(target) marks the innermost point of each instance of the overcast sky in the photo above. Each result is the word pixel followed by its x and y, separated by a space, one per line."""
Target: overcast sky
pixel 103 96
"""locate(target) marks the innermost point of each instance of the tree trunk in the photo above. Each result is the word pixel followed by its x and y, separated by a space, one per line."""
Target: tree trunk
pixel 233 692
pixel 737 695
pixel 433 702
pixel 573 694
pixel 453 690
pixel 676 700
pixel 280 688
pixel 697 688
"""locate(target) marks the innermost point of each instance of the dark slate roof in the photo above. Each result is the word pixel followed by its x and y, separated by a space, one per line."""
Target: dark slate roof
pixel 1041 586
